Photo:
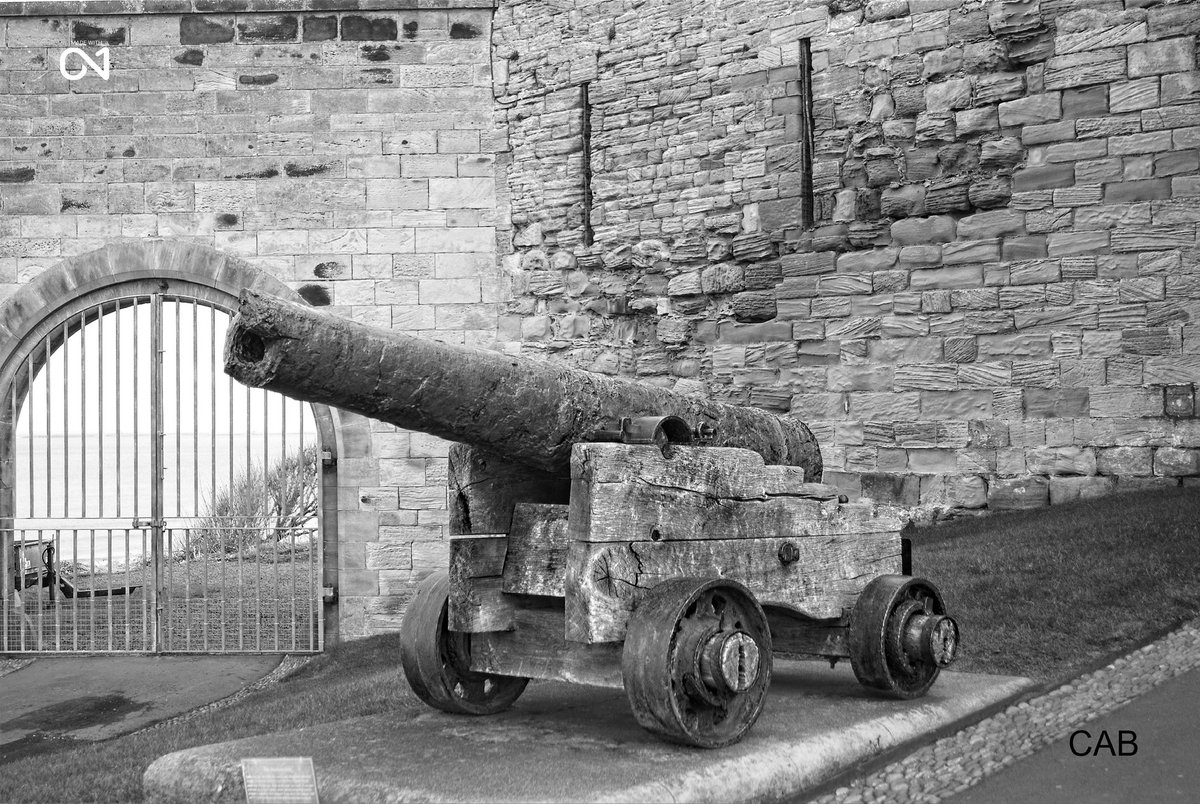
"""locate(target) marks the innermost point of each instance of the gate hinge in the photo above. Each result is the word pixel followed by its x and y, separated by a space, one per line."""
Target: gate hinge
pixel 329 594
pixel 327 458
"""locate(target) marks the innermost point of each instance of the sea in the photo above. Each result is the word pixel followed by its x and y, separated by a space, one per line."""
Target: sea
pixel 91 493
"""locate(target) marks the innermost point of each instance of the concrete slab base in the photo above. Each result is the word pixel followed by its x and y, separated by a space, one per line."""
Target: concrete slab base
pixel 563 742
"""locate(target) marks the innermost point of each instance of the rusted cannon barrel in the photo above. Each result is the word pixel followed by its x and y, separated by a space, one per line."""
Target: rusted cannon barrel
pixel 528 411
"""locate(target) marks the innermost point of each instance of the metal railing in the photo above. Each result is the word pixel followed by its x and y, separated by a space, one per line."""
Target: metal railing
pixel 214 588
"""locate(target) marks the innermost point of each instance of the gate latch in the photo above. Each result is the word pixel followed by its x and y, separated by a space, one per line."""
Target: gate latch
pixel 148 523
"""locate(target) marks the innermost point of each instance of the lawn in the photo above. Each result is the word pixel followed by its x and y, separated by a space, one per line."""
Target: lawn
pixel 1044 593
pixel 266 602
pixel 356 678
pixel 1048 593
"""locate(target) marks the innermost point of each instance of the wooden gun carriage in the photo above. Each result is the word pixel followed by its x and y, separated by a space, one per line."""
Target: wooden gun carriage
pixel 612 533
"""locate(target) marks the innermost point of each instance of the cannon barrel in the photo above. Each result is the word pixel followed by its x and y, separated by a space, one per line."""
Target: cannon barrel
pixel 528 411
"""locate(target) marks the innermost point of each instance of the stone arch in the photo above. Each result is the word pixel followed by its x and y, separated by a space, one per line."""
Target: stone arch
pixel 186 268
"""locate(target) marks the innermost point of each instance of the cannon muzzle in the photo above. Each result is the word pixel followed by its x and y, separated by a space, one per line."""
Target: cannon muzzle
pixel 528 411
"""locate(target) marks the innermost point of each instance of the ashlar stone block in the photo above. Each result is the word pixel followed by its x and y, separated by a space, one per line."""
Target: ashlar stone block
pixel 1083 69
pixel 1045 177
pixel 948 95
pixel 966 491
pixel 1014 494
pixel 997 223
pixel 1176 462
pixel 1125 461
pixel 1061 461
pixel 999 87
pixel 1120 403
pixel 1032 110
pixel 1164 56
pixel 1069 489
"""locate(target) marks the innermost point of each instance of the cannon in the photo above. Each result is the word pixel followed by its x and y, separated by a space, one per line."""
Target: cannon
pixel 610 532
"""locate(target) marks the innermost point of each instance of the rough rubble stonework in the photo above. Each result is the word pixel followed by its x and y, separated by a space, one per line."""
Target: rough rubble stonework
pixel 996 307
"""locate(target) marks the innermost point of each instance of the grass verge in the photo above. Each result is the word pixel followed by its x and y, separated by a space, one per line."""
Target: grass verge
pixel 362 677
pixel 1047 593
pixel 1042 593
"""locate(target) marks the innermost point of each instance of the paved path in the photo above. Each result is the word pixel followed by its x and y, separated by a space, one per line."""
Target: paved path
pixel 94 698
pixel 1163 765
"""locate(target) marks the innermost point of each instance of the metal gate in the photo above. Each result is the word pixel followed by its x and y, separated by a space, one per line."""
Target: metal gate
pixel 157 505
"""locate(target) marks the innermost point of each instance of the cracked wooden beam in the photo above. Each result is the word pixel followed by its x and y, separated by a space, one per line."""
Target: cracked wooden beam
pixel 605 580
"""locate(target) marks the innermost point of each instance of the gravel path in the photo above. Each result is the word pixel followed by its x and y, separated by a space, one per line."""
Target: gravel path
pixel 961 760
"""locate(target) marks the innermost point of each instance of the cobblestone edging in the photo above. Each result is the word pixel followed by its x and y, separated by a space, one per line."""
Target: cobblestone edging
pixel 962 760
pixel 289 665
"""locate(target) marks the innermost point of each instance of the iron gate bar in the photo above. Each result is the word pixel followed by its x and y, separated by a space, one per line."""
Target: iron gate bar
pixel 100 414
pixel 81 622
pixel 212 464
pixel 156 463
pixel 49 449
pixel 66 455
pixel 178 419
pixel 137 449
pixel 117 369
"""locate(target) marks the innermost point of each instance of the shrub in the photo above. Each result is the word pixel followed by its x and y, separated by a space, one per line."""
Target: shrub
pixel 260 506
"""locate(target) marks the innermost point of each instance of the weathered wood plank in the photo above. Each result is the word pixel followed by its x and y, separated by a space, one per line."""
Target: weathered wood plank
pixel 631 511
pixel 722 472
pixel 784 484
pixel 479 556
pixel 779 479
pixel 606 580
pixel 484 488
pixel 792 634
pixel 477 602
pixel 536 649
pixel 537 550
pixel 625 493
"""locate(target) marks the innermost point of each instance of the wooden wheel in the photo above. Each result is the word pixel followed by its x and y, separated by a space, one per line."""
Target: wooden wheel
pixel 697 661
pixel 900 636
pixel 437 661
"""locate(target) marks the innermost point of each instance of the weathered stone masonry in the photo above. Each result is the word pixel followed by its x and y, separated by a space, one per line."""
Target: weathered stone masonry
pixel 997 305
pixel 343 151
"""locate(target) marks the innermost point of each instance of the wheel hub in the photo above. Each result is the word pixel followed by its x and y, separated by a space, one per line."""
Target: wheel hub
pixel 729 662
pixel 932 637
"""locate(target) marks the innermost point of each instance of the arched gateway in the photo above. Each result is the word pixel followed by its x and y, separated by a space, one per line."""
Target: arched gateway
pixel 147 502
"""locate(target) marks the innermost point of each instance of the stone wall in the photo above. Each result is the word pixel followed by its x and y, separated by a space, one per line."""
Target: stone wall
pixel 994 309
pixel 997 306
pixel 343 151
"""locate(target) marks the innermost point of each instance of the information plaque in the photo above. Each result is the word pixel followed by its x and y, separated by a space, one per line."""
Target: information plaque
pixel 280 780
